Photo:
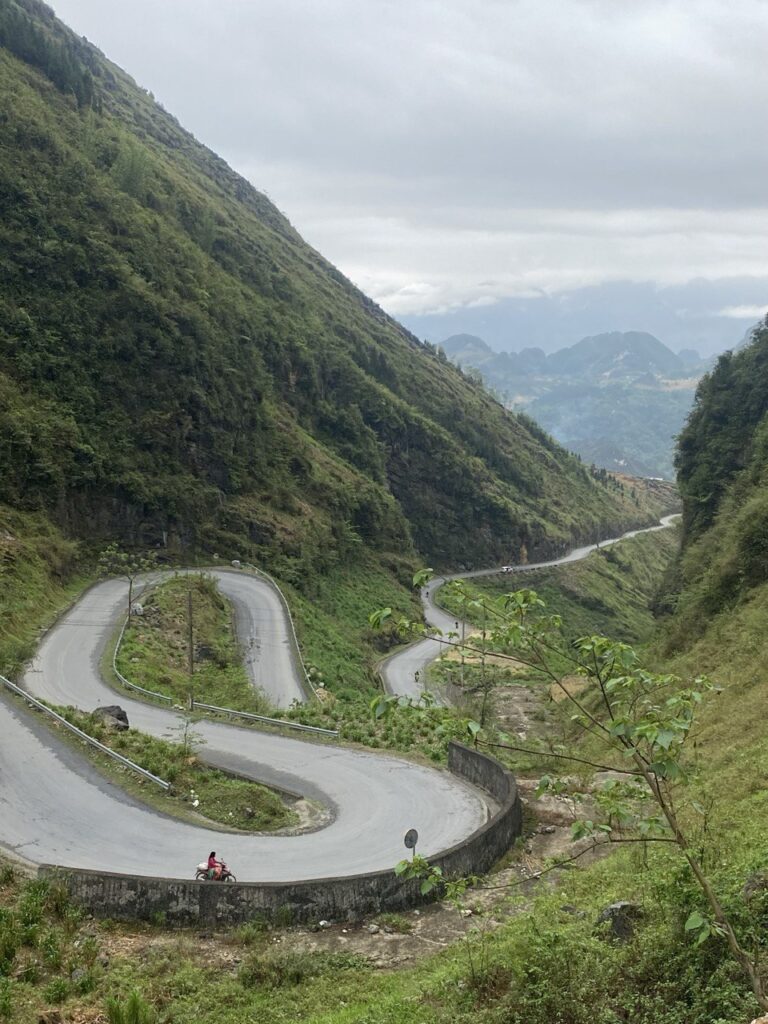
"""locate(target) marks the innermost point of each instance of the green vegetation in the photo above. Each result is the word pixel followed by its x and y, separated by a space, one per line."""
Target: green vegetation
pixel 331 618
pixel 723 467
pixel 424 731
pixel 39 574
pixel 722 448
pixel 197 791
pixel 610 591
pixel 155 649
pixel 178 368
pixel 617 399
pixel 45 954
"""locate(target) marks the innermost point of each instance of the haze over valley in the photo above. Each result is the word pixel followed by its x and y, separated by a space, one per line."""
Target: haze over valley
pixel 618 400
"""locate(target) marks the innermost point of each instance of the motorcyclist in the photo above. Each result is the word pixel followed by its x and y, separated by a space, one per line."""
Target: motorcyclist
pixel 215 867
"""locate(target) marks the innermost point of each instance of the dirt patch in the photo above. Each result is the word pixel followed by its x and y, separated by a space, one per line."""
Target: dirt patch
pixel 473 658
pixel 520 711
pixel 569 686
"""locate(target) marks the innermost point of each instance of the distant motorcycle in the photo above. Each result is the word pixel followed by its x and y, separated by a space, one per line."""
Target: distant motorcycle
pixel 224 875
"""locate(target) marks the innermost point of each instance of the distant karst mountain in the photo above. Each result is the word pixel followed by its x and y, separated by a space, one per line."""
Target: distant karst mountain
pixel 617 399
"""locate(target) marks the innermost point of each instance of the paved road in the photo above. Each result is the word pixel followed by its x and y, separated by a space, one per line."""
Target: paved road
pixel 54 808
pixel 399 671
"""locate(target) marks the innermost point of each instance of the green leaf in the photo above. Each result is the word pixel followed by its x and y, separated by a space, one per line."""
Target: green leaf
pixel 377 618
pixel 665 738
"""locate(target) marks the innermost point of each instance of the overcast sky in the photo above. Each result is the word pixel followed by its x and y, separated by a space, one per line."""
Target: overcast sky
pixel 453 155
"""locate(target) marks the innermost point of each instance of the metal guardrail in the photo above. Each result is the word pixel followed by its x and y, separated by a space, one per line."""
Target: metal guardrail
pixel 126 682
pixel 84 735
pixel 232 712
pixel 262 718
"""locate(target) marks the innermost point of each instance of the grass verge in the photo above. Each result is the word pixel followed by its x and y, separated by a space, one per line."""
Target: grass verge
pixel 155 648
pixel 198 791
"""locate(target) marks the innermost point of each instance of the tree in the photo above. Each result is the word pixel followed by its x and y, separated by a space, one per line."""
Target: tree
pixel 636 724
pixel 113 561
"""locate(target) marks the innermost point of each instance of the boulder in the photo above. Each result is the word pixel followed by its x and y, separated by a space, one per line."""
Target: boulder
pixel 755 885
pixel 620 917
pixel 113 717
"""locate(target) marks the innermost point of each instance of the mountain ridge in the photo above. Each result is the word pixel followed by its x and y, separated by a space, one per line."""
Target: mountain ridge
pixel 179 368
pixel 618 399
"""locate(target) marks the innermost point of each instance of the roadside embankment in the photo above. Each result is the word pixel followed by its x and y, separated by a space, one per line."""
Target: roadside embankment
pixel 206 904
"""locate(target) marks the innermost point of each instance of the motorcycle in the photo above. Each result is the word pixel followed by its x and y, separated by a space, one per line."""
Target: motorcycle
pixel 224 875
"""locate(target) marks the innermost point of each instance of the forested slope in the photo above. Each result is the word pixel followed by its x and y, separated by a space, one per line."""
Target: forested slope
pixel 722 464
pixel 177 365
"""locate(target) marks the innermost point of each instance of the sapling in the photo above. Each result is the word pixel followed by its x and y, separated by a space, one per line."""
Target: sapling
pixel 639 723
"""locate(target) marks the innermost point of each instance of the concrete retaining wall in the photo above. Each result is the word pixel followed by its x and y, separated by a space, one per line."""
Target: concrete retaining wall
pixel 208 904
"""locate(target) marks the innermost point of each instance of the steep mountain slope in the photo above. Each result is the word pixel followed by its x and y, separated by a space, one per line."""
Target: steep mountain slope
pixel 722 465
pixel 617 399
pixel 177 366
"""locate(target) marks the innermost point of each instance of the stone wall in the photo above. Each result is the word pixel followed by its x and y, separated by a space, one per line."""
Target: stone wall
pixel 208 904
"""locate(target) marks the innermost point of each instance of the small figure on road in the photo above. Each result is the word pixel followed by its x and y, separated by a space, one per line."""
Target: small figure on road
pixel 214 866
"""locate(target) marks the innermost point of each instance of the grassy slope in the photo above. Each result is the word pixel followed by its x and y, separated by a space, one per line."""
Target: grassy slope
pixel 155 654
pixel 39 575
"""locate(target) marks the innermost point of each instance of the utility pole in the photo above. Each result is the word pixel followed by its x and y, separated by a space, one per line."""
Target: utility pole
pixel 190 644
pixel 482 675
pixel 461 672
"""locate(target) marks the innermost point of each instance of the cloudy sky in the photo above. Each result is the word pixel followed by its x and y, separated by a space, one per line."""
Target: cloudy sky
pixel 459 158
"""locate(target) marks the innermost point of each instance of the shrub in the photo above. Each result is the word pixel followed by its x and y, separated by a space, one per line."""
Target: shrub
pixel 278 968
pixel 133 1010
pixel 6 999
pixel 57 990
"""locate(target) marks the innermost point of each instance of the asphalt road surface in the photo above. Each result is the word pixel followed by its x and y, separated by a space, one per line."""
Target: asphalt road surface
pixel 405 673
pixel 56 808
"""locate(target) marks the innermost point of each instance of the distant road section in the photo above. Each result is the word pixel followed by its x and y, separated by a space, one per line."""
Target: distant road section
pixel 399 672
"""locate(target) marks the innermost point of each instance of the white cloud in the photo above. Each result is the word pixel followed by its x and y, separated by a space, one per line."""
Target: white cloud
pixel 446 153
pixel 743 312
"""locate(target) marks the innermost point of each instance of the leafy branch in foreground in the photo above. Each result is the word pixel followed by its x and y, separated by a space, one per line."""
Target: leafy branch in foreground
pixel 639 720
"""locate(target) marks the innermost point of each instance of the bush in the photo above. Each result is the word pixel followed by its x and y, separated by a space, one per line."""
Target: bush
pixel 278 968
pixel 7 874
pixel 6 1000
pixel 133 1010
pixel 57 990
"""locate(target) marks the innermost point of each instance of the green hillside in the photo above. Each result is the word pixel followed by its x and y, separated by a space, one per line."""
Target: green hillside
pixel 178 367
pixel 723 476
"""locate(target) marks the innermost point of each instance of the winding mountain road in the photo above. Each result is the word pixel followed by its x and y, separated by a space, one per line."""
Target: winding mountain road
pixel 399 671
pixel 56 808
